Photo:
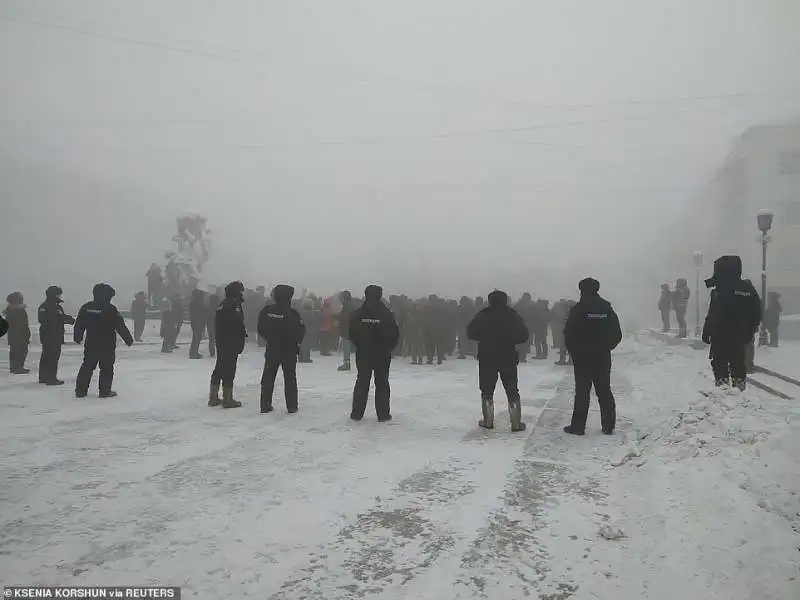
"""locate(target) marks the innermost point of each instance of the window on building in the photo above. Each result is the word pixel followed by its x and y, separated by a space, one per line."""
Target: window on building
pixel 793 213
pixel 790 162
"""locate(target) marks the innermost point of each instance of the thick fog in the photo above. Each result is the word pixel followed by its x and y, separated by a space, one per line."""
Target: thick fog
pixel 450 146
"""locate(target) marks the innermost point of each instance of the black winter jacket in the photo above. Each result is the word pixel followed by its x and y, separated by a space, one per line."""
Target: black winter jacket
pixel 51 322
pixel 592 327
pixel 734 313
pixel 498 329
pixel 100 321
pixel 281 325
pixel 229 326
pixel 374 330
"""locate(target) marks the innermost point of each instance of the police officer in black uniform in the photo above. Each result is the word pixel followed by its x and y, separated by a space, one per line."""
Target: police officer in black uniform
pixel 498 329
pixel 51 334
pixel 100 321
pixel 283 329
pixel 734 315
pixel 375 334
pixel 230 338
pixel 591 333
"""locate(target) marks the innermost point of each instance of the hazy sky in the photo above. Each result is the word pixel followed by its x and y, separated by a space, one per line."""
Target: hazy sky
pixel 451 145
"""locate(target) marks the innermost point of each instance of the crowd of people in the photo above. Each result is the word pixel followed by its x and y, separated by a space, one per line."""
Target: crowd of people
pixel 427 330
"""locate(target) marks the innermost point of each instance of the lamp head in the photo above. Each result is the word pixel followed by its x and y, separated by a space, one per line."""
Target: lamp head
pixel 764 219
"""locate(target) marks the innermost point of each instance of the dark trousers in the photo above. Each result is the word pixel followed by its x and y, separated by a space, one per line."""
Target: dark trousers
pixel 680 315
pixel 665 321
pixel 225 368
pixel 197 337
pixel 593 370
pixel 170 337
pixel 212 343
pixel 92 357
pixel 728 360
pixel 289 366
pixel 325 343
pixel 488 372
pixel 540 341
pixel 48 362
pixel 369 367
pixel 17 353
pixel 138 329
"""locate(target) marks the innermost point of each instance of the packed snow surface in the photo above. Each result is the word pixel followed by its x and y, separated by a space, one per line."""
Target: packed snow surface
pixel 694 497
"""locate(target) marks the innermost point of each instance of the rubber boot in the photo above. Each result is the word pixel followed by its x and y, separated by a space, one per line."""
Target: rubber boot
pixel 213 395
pixel 227 398
pixel 487 407
pixel 515 412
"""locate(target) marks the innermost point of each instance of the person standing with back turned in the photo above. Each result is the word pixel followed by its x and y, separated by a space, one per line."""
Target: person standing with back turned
pixel 231 336
pixel 101 322
pixel 498 329
pixel 591 333
pixel 283 329
pixel 734 315
pixel 51 335
pixel 375 334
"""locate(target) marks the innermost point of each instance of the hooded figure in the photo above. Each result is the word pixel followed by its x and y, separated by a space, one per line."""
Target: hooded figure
pixel 19 333
pixel 591 333
pixel 664 307
pixel 375 334
pixel 100 321
pixel 139 315
pixel 197 319
pixel 734 315
pixel 283 329
pixel 51 334
pixel 772 317
pixel 499 330
pixel 343 326
pixel 680 301
pixel 230 337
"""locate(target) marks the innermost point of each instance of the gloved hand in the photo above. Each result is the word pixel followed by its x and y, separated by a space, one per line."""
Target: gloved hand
pixel 78 341
pixel 706 338
pixel 129 344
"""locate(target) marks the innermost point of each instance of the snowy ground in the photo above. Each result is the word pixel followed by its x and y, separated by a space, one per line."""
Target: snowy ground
pixel 155 487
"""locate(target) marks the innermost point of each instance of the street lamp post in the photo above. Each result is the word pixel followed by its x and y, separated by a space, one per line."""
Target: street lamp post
pixel 764 225
pixel 698 263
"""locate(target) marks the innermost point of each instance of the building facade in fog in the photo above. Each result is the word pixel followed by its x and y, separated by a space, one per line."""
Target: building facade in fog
pixel 762 172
